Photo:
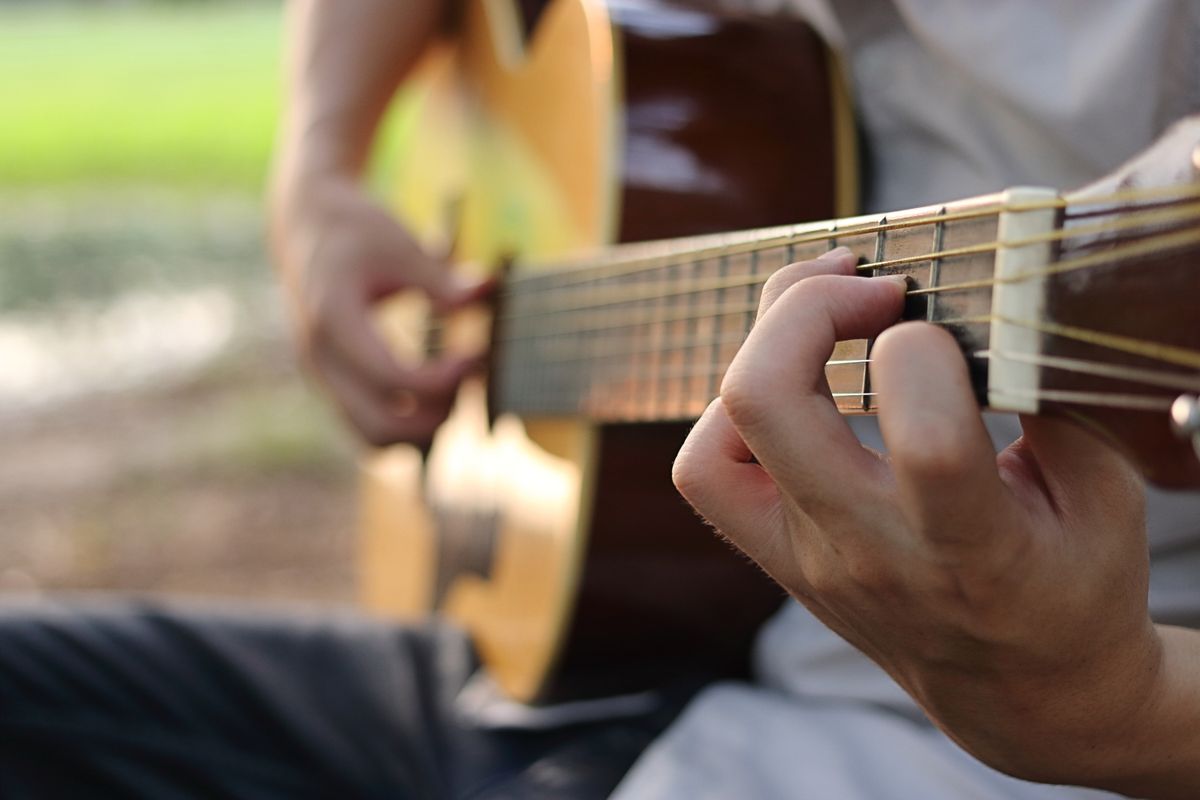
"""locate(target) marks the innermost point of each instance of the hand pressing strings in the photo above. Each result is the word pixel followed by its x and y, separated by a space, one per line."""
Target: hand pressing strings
pixel 946 564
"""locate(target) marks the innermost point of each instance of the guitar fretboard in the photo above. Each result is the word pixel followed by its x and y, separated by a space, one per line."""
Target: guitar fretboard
pixel 646 332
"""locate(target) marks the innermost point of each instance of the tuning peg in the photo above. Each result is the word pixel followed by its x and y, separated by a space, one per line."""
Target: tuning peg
pixel 1185 419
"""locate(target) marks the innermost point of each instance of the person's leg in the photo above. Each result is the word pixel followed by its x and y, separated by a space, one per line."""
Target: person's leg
pixel 155 703
pixel 139 701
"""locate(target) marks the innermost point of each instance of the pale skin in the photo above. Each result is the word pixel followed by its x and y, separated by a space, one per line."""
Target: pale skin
pixel 1006 593
pixel 338 250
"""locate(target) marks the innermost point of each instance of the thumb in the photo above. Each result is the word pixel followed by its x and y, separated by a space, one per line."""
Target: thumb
pixel 1080 470
pixel 447 287
pixel 402 263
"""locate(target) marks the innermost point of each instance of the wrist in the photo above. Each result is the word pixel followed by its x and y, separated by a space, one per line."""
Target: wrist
pixel 1162 759
pixel 1136 731
pixel 1079 722
pixel 303 192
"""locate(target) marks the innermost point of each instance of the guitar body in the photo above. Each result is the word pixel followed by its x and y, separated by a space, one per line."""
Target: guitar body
pixel 545 130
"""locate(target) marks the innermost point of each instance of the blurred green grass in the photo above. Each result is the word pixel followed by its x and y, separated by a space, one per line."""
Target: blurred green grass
pixel 185 95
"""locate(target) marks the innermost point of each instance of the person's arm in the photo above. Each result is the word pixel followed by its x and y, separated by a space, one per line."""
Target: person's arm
pixel 1007 594
pixel 338 251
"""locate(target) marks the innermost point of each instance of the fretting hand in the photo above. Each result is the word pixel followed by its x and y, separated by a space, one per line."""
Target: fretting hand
pixel 1007 594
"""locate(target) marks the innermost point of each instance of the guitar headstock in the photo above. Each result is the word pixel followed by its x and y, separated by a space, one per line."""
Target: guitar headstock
pixel 1120 343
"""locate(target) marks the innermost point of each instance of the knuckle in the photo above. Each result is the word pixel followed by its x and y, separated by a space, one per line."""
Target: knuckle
pixel 744 400
pixel 383 430
pixel 318 325
pixel 377 435
pixel 792 284
pixel 432 381
pixel 870 574
pixel 688 474
pixel 803 270
pixel 931 453
pixel 812 293
pixel 377 430
pixel 825 584
pixel 781 279
pixel 385 434
pixel 307 348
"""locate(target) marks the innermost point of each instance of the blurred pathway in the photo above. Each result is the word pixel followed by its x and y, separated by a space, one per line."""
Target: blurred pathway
pixel 154 433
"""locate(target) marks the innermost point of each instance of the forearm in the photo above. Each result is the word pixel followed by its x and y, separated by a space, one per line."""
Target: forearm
pixel 1163 756
pixel 345 60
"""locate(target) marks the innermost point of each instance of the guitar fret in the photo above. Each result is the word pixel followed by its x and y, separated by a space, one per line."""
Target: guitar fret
pixel 692 328
pixel 753 288
pixel 935 264
pixel 675 275
pixel 621 370
pixel 646 400
pixel 641 373
pixel 711 388
pixel 867 394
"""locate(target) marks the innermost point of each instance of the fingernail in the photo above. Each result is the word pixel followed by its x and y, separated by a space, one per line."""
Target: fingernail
pixel 836 254
pixel 899 280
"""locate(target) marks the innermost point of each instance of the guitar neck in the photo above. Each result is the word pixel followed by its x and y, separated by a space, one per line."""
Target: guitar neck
pixel 645 332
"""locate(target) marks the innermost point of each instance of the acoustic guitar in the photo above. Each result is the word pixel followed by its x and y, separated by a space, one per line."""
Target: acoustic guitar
pixel 543 518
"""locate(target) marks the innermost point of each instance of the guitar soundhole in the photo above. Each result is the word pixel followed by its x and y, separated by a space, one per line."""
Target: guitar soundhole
pixel 466 543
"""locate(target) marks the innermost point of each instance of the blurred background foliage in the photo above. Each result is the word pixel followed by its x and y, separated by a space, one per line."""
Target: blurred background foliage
pixel 157 435
pixel 177 93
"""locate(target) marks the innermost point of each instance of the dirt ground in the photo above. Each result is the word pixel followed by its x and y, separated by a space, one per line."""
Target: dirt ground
pixel 210 488
pixel 229 478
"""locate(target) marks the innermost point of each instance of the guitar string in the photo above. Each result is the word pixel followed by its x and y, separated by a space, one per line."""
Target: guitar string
pixel 1138 247
pixel 1127 402
pixel 1156 351
pixel 1153 244
pixel 601 296
pixel 643 256
pixel 1178 356
pixel 1147 377
pixel 1175 381
pixel 1128 344
pixel 1111 400
pixel 1181 381
pixel 809 233
pixel 436 324
pixel 1141 247
pixel 1156 378
pixel 1116 400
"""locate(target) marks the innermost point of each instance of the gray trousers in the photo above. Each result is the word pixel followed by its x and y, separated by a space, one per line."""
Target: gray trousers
pixel 103 699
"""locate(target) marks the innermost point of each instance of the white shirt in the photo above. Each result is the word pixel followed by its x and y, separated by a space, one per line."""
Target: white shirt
pixel 956 98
